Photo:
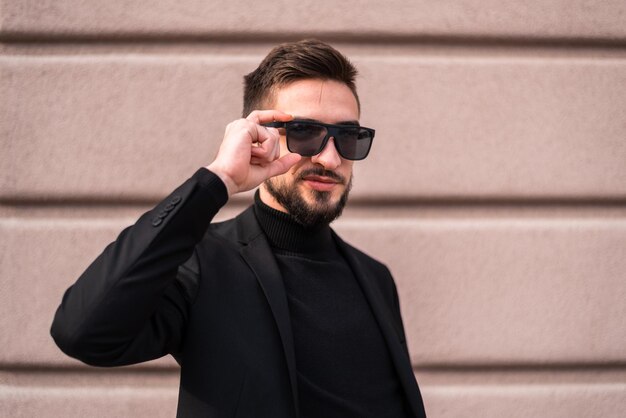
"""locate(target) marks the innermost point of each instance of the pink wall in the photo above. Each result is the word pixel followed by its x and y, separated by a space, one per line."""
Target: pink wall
pixel 496 189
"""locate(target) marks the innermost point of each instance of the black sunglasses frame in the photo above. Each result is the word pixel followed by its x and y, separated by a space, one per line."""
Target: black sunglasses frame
pixel 331 130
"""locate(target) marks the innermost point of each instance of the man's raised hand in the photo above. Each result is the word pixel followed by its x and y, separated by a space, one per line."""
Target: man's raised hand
pixel 250 153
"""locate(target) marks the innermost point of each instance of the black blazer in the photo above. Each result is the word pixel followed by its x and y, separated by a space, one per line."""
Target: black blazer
pixel 212 296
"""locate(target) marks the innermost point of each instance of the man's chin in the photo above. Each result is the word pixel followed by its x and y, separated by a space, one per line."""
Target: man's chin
pixel 311 208
pixel 320 199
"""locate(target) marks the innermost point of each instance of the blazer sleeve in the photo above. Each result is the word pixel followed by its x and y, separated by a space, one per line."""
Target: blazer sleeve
pixel 131 303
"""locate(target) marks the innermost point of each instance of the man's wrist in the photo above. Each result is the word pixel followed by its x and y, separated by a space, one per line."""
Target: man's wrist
pixel 228 183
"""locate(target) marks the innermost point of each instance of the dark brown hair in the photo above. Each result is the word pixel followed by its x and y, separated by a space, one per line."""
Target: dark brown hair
pixel 289 62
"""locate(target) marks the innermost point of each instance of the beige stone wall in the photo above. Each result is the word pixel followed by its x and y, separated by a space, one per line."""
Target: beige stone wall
pixel 496 190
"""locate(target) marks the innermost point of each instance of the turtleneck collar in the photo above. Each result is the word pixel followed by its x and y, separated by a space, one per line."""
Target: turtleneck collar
pixel 285 233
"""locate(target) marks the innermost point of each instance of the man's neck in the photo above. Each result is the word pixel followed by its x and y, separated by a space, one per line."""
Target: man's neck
pixel 286 234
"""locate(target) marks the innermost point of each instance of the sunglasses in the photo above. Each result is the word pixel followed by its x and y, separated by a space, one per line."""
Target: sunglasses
pixel 306 138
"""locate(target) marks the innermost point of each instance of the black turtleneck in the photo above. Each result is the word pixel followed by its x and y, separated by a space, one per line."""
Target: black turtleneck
pixel 343 365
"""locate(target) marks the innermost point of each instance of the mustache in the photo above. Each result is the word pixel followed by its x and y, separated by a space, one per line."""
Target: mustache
pixel 318 171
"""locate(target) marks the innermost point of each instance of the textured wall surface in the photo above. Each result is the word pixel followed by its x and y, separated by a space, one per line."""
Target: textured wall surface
pixel 495 192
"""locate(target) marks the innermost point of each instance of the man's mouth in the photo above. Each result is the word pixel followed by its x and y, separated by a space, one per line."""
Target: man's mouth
pixel 321 180
pixel 320 183
pixel 324 176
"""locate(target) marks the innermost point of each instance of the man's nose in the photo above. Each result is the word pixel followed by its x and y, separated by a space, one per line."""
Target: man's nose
pixel 329 158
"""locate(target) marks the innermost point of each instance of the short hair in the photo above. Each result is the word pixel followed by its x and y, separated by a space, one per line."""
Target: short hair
pixel 294 61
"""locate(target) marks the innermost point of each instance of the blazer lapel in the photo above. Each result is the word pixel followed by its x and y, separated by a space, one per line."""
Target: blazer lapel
pixel 391 334
pixel 258 255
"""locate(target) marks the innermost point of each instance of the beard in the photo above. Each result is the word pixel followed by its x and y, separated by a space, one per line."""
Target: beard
pixel 310 215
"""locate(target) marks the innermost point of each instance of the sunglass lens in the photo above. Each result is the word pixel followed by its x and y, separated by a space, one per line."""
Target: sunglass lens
pixel 354 143
pixel 305 139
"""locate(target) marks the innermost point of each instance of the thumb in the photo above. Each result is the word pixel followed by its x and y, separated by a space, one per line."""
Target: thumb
pixel 281 165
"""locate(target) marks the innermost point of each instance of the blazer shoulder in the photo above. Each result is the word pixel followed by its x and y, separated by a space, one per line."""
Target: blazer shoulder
pixel 224 229
pixel 239 230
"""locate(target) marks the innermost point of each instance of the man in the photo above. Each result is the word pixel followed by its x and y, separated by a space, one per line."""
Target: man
pixel 270 314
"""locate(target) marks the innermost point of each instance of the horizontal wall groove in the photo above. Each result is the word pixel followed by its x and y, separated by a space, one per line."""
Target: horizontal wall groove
pixel 248 52
pixel 523 367
pixel 146 369
pixel 528 375
pixel 17 374
pixel 361 39
pixel 495 202
pixel 69 202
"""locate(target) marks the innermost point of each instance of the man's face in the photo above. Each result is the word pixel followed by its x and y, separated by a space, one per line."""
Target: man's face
pixel 315 190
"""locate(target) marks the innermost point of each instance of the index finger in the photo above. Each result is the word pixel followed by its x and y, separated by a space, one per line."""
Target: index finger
pixel 264 116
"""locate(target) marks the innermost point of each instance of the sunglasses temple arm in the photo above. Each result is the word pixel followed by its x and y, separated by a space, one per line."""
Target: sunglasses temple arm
pixel 274 124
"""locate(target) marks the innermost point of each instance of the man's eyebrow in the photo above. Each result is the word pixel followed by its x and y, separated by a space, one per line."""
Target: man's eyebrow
pixel 346 122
